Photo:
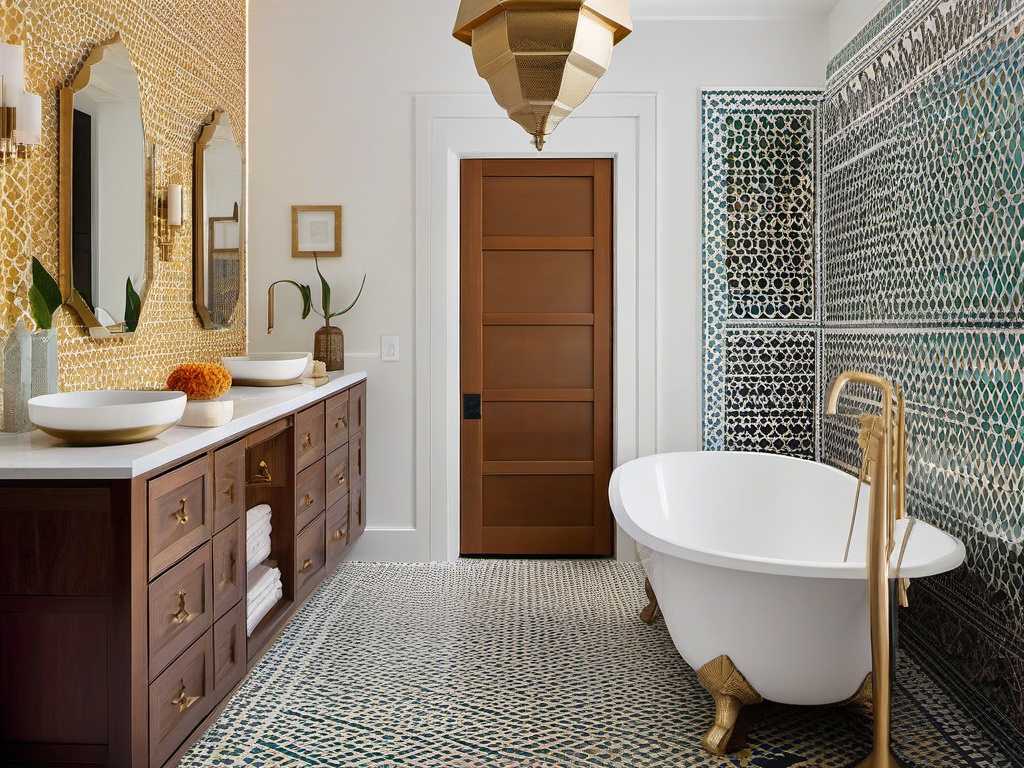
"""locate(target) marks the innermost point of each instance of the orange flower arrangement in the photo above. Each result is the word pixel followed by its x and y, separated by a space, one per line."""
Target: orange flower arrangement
pixel 200 381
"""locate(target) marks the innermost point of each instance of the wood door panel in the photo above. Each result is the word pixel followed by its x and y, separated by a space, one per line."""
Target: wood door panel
pixel 536 327
pixel 537 431
pixel 538 281
pixel 538 500
pixel 538 357
pixel 552 206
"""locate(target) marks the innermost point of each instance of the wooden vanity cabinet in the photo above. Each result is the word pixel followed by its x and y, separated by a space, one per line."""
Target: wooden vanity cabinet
pixel 123 601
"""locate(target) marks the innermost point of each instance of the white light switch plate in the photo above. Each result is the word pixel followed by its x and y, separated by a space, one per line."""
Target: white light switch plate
pixel 389 349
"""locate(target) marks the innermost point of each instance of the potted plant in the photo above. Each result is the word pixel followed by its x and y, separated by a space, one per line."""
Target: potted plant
pixel 329 340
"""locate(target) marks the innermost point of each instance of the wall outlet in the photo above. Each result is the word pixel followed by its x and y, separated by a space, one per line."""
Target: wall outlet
pixel 389 349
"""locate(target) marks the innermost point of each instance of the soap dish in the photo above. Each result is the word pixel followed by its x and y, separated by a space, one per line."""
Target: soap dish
pixel 207 413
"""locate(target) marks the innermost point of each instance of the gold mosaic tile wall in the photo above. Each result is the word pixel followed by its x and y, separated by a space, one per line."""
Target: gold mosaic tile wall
pixel 190 59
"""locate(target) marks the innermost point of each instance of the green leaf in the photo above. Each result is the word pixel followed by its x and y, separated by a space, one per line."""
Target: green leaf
pixel 132 306
pixel 307 300
pixel 346 309
pixel 48 289
pixel 40 309
pixel 325 295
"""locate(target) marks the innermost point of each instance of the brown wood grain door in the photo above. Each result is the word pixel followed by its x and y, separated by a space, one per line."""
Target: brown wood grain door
pixel 537 347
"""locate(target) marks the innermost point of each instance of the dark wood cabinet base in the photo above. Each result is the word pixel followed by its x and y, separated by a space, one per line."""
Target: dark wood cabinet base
pixel 123 601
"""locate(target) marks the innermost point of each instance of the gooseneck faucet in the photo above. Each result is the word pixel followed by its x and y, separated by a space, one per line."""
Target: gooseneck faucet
pixel 885 455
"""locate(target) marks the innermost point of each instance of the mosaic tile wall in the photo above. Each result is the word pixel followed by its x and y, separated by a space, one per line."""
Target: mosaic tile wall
pixel 760 337
pixel 190 59
pixel 922 243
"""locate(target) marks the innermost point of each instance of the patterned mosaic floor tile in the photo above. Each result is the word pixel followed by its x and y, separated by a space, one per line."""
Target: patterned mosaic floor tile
pixel 523 664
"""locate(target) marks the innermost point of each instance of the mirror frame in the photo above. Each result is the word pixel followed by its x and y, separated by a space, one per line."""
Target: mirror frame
pixel 206 134
pixel 65 153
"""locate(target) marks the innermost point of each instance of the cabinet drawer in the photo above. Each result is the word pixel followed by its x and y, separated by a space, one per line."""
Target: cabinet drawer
pixel 357 407
pixel 337 475
pixel 228 568
pixel 309 436
pixel 309 495
pixel 229 650
pixel 180 698
pixel 337 532
pixel 180 608
pixel 356 512
pixel 179 514
pixel 228 484
pixel 336 424
pixel 356 457
pixel 309 558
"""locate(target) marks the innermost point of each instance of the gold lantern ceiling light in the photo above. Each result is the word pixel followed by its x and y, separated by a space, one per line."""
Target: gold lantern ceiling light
pixel 542 58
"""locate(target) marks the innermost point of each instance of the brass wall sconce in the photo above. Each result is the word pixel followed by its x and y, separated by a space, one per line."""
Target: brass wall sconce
pixel 542 58
pixel 20 112
pixel 169 217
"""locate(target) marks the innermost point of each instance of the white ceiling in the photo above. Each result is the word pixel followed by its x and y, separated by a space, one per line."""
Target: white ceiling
pixel 642 9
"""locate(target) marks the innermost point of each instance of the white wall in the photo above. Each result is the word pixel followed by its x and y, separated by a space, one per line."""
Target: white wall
pixel 331 121
pixel 846 20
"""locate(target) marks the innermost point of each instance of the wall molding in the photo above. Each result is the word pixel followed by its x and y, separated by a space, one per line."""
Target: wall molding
pixel 449 127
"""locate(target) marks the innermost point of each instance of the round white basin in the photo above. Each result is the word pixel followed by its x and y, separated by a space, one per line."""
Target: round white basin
pixel 266 369
pixel 106 417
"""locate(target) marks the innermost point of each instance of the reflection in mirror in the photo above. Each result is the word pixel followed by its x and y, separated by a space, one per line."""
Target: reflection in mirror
pixel 105 190
pixel 219 210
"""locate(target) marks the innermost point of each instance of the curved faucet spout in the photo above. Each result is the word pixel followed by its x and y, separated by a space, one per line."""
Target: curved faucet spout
pixel 855 377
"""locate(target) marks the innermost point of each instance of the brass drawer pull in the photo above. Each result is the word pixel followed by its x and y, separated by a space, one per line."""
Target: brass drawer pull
pixel 180 514
pixel 307 500
pixel 307 441
pixel 182 615
pixel 183 701
pixel 338 535
pixel 263 477
pixel 229 491
pixel 339 422
pixel 307 564
pixel 341 479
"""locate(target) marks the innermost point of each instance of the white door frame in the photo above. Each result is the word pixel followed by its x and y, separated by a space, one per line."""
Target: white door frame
pixel 450 127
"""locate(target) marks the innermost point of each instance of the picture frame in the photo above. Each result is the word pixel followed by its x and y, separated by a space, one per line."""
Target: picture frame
pixel 316 229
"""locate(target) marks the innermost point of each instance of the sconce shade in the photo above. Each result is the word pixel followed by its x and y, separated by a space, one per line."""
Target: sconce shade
pixel 542 58
pixel 174 197
pixel 20 112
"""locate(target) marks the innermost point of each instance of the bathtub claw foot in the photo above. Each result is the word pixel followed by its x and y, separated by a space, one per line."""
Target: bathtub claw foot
pixel 650 613
pixel 731 693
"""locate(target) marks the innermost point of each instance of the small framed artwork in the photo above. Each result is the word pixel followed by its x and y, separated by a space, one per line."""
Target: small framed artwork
pixel 316 229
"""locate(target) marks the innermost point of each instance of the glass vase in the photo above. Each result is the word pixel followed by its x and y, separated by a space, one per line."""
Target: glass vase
pixel 44 362
pixel 17 379
pixel 329 347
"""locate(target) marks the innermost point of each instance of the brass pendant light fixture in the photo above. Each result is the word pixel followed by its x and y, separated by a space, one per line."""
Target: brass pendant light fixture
pixel 542 58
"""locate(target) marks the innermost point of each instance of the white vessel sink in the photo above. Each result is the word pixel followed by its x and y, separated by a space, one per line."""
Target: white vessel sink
pixel 270 369
pixel 106 417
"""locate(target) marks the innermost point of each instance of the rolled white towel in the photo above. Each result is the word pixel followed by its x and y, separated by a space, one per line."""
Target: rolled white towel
pixel 257 552
pixel 257 515
pixel 255 614
pixel 262 579
pixel 261 531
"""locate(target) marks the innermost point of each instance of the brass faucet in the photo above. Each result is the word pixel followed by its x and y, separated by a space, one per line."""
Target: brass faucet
pixel 885 457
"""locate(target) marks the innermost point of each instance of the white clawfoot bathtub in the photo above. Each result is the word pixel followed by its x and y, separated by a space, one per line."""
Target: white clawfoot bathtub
pixel 744 552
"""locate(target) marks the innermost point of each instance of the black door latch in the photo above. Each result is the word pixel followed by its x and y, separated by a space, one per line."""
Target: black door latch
pixel 471 406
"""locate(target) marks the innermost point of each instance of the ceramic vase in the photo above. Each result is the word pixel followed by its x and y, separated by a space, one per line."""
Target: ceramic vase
pixel 329 347
pixel 17 379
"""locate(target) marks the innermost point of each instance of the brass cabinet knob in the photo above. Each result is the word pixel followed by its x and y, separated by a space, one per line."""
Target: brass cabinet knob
pixel 339 422
pixel 338 535
pixel 183 701
pixel 180 514
pixel 307 500
pixel 307 564
pixel 307 440
pixel 181 615
pixel 263 476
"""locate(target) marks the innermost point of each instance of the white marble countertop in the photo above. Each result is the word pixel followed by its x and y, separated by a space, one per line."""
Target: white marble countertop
pixel 37 456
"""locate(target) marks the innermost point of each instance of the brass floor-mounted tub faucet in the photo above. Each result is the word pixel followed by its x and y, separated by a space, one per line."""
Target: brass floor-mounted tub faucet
pixel 885 457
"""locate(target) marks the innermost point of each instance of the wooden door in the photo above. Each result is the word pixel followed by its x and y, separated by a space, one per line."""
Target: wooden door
pixel 536 350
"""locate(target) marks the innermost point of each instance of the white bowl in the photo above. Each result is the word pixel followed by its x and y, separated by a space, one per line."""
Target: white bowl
pixel 106 417
pixel 266 369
